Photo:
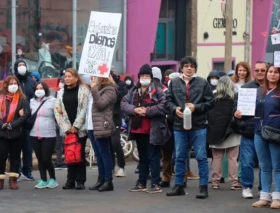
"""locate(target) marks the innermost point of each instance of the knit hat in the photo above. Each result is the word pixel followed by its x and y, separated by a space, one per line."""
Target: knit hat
pixel 145 70
pixel 168 72
pixel 157 73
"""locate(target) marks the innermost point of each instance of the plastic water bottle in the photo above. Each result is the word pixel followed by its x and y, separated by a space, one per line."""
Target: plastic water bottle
pixel 187 118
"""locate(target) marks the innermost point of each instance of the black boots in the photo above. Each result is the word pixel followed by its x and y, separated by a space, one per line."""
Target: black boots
pixel 99 183
pixel 203 192
pixel 177 191
pixel 107 186
pixel 80 186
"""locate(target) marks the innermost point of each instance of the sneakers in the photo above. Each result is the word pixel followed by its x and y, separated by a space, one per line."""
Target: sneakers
pixel 26 177
pixel 52 184
pixel 192 176
pixel 236 187
pixel 138 188
pixel 60 167
pixel 41 184
pixel 120 173
pixel 247 193
pixel 215 186
pixel 154 189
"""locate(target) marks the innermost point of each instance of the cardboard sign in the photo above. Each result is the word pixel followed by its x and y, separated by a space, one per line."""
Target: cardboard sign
pixel 100 43
pixel 247 101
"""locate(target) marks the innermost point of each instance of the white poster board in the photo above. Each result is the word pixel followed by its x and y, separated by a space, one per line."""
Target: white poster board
pixel 100 43
pixel 247 101
pixel 277 59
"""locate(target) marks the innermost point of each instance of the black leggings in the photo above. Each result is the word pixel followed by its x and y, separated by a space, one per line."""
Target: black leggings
pixel 44 148
pixel 11 148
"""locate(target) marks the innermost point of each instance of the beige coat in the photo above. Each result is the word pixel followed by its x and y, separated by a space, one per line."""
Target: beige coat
pixel 102 111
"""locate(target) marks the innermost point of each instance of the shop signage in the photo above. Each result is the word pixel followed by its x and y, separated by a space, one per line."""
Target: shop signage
pixel 221 23
pixel 100 44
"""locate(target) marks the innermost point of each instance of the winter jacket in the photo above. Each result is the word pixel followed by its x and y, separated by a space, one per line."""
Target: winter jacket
pixel 200 94
pixel 18 122
pixel 80 121
pixel 270 110
pixel 246 125
pixel 219 121
pixel 121 92
pixel 27 84
pixel 45 125
pixel 102 111
pixel 159 132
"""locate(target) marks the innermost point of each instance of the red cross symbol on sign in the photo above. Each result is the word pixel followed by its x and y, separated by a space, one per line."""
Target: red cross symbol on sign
pixel 103 69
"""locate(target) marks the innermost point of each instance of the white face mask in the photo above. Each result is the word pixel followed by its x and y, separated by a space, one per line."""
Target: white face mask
pixel 22 70
pixel 145 81
pixel 128 82
pixel 61 85
pixel 13 88
pixel 189 77
pixel 40 93
pixel 214 82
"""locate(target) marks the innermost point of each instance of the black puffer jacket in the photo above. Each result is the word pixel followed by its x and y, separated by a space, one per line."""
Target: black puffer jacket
pixel 18 122
pixel 200 94
pixel 27 84
pixel 219 121
pixel 246 125
pixel 121 92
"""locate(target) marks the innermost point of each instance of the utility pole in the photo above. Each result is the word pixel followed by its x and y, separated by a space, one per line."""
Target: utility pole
pixel 228 42
pixel 74 38
pixel 247 32
pixel 14 19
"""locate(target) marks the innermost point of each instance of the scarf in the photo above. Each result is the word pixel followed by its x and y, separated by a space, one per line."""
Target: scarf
pixel 14 99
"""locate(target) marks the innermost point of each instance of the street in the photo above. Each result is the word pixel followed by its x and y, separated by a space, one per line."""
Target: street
pixel 30 200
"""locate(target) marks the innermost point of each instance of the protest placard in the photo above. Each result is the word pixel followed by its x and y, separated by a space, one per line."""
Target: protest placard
pixel 100 43
pixel 247 101
pixel 276 59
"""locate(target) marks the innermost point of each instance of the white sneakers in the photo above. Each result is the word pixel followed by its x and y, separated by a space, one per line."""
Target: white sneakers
pixel 120 173
pixel 247 193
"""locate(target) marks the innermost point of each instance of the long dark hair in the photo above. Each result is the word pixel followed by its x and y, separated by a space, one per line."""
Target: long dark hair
pixel 265 86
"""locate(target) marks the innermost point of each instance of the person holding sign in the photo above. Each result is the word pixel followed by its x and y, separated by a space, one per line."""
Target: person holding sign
pixel 268 114
pixel 244 125
pixel 242 74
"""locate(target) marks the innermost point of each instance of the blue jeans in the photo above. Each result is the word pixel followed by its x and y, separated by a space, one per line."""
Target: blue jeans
pixel 27 155
pixel 269 160
pixel 102 152
pixel 198 140
pixel 149 157
pixel 247 162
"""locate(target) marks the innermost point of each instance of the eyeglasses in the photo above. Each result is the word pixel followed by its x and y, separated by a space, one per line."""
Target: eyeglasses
pixel 262 70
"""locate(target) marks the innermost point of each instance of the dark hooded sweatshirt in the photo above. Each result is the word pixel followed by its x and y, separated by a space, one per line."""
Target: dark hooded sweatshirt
pixel 27 84
pixel 215 74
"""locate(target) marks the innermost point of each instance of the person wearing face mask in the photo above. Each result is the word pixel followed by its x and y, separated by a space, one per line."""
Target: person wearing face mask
pixel 43 134
pixel 14 111
pixel 213 79
pixel 128 80
pixel 196 93
pixel 145 106
pixel 27 85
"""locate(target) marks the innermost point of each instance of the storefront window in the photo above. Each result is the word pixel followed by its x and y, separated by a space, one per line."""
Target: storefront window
pixel 274 25
pixel 43 34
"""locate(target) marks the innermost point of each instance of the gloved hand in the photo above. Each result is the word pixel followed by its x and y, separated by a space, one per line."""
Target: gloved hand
pixel 4 126
pixel 9 127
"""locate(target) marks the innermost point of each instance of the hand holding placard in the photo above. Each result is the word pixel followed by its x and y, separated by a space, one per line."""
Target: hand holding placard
pixel 247 101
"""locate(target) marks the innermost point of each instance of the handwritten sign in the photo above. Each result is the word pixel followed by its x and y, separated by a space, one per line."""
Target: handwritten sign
pixel 100 44
pixel 247 101
pixel 277 59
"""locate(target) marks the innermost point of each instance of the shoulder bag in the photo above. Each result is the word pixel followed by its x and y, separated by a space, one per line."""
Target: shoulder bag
pixel 268 134
pixel 31 120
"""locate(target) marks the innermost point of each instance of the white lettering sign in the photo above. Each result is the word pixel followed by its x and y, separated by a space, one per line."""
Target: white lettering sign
pixel 277 59
pixel 100 44
pixel 247 101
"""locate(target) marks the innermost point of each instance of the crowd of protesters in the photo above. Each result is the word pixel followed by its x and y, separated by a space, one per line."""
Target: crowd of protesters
pixel 92 107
